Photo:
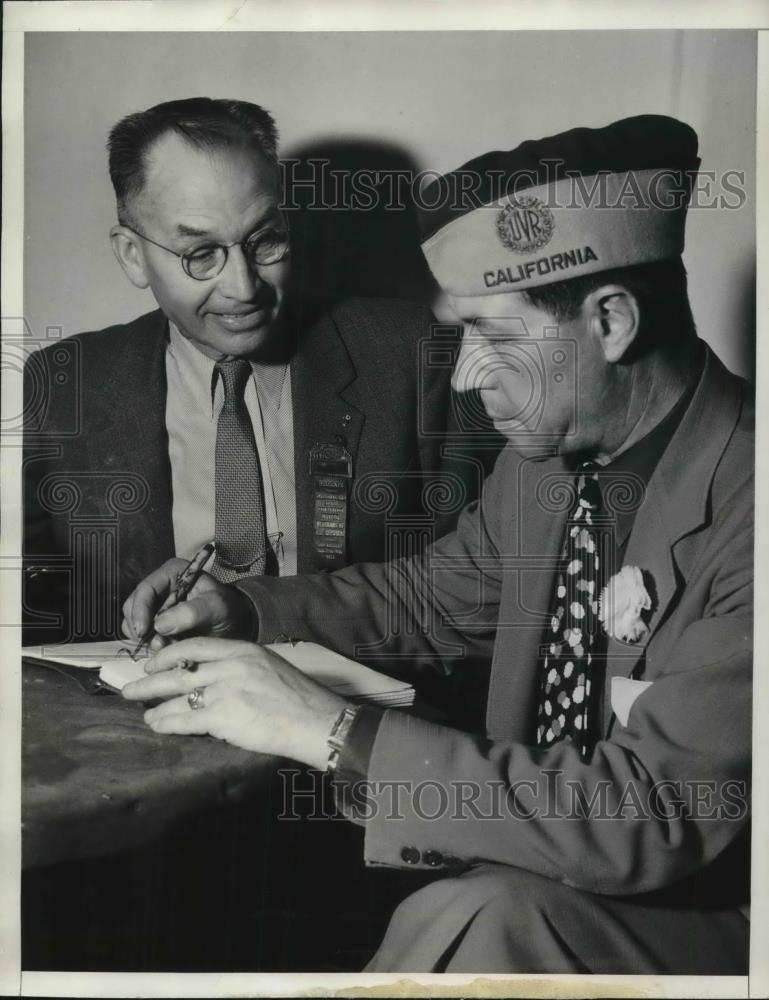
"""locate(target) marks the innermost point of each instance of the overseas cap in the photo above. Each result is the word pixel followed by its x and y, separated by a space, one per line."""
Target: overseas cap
pixel 561 207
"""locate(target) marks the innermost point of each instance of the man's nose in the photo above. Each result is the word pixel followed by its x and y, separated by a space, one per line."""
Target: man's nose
pixel 239 278
pixel 473 365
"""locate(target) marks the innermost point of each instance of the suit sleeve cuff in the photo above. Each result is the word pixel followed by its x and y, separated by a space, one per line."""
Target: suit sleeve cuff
pixel 351 774
pixel 252 634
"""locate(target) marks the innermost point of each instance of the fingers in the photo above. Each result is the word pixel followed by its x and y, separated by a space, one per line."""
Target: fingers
pixel 141 606
pixel 196 614
pixel 207 610
pixel 183 722
pixel 199 649
pixel 172 682
pixel 176 716
pixel 174 706
pixel 212 608
pixel 212 694
pixel 156 643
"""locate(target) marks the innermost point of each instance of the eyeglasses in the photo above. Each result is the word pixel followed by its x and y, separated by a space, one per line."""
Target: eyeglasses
pixel 267 246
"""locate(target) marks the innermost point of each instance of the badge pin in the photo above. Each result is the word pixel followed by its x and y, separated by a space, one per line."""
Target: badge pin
pixel 525 224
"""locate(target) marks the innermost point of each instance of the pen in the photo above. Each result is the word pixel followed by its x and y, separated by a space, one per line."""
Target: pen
pixel 185 581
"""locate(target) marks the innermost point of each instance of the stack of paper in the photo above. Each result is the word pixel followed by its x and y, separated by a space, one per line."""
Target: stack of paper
pixel 349 679
pixel 346 677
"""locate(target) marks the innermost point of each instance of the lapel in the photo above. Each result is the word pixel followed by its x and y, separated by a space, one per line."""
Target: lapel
pixel 328 408
pixel 128 435
pixel 537 494
pixel 676 504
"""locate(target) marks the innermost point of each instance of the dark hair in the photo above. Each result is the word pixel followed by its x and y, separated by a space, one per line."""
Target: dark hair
pixel 660 289
pixel 202 121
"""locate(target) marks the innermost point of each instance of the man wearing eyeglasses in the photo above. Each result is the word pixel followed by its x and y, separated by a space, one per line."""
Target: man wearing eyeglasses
pixel 223 415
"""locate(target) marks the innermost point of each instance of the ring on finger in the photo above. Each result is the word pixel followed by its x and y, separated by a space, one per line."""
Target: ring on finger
pixel 196 699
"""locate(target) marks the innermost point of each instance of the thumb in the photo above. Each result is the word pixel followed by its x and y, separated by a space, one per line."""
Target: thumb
pixel 196 615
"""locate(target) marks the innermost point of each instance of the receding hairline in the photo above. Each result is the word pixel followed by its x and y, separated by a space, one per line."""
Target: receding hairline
pixel 217 147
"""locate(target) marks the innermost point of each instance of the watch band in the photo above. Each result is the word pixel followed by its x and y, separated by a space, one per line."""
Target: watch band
pixel 338 735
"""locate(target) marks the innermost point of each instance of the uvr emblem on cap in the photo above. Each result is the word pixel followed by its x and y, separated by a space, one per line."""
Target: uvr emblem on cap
pixel 525 224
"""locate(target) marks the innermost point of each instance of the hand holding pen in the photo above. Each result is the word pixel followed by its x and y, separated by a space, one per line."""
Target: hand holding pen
pixel 207 606
pixel 180 589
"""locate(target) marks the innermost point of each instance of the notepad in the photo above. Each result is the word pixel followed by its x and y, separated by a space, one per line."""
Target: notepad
pixel 111 660
pixel 349 679
pixel 344 676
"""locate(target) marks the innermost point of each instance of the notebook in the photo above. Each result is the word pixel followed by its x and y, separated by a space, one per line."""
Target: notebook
pixel 344 676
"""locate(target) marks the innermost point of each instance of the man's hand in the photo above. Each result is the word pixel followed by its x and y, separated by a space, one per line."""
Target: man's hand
pixel 251 697
pixel 212 608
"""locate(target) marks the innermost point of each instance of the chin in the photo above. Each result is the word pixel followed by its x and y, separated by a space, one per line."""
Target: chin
pixel 510 427
pixel 245 344
pixel 241 343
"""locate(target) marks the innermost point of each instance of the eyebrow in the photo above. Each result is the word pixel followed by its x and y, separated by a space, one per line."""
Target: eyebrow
pixel 182 230
pixel 191 231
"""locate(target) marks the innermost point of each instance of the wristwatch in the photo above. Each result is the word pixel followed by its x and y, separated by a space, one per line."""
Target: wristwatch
pixel 338 735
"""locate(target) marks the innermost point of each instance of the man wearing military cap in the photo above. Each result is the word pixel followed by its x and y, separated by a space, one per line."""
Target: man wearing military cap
pixel 600 824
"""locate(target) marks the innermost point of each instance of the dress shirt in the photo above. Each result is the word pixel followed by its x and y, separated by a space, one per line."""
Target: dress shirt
pixel 193 401
pixel 641 460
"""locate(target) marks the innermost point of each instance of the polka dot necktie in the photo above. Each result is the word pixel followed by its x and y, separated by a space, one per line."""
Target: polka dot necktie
pixel 241 531
pixel 574 641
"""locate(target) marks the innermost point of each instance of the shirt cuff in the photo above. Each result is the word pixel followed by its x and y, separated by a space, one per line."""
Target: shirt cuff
pixel 351 773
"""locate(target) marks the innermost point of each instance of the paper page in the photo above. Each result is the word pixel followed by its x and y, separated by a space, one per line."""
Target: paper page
pixel 118 672
pixel 343 675
pixel 338 672
pixel 89 655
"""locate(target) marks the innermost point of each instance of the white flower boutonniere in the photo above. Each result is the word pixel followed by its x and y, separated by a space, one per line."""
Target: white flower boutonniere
pixel 623 601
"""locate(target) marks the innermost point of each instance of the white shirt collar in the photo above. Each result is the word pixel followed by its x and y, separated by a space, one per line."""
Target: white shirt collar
pixel 200 371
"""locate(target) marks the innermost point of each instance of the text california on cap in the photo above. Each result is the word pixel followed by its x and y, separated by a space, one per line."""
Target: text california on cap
pixel 551 209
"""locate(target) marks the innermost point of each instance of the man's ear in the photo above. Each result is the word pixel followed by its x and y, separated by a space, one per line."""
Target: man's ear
pixel 130 255
pixel 614 318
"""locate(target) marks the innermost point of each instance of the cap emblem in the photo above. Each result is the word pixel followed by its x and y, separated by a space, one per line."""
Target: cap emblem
pixel 525 224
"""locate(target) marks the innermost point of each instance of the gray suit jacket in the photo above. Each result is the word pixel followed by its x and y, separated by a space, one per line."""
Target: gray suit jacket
pixel 97 480
pixel 485 589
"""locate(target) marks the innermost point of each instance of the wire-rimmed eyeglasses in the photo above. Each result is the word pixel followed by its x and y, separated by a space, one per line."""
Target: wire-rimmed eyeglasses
pixel 266 246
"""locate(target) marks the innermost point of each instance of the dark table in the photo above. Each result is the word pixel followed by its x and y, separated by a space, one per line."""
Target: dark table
pixel 96 780
pixel 146 852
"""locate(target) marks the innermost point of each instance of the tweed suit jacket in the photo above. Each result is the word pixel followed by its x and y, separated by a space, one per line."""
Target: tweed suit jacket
pixel 485 588
pixel 97 497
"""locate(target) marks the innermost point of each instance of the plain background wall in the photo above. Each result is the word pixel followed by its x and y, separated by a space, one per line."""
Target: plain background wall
pixel 436 99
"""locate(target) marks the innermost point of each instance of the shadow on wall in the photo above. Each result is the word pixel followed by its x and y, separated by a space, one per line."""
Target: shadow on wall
pixel 745 319
pixel 353 224
pixel 354 233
